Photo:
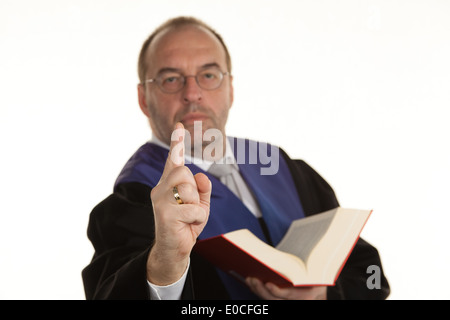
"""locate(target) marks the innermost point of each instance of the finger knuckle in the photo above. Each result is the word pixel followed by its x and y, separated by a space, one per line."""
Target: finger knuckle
pixel 185 171
pixel 186 189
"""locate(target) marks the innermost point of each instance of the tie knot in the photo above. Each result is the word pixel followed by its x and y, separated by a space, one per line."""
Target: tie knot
pixel 220 170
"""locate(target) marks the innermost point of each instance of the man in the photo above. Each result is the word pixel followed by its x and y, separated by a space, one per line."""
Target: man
pixel 144 233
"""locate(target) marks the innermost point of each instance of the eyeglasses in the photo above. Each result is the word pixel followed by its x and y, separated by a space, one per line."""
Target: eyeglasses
pixel 173 82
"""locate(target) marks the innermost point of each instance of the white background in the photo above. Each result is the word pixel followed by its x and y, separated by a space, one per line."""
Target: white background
pixel 359 89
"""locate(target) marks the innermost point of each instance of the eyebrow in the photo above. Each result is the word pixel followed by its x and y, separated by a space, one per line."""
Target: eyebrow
pixel 205 66
pixel 210 65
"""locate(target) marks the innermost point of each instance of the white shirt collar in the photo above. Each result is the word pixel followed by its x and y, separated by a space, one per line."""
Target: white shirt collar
pixel 202 164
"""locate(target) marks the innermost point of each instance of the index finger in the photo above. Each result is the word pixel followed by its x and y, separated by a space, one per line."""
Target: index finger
pixel 176 151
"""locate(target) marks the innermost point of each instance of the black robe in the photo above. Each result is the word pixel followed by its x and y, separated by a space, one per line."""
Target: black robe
pixel 121 229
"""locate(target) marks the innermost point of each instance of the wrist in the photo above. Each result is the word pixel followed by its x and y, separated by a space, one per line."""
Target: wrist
pixel 164 269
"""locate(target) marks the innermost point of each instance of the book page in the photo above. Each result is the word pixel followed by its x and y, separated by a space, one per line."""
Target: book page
pixel 304 234
pixel 331 251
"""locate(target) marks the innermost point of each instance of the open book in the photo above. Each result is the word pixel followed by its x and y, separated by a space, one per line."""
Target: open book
pixel 313 251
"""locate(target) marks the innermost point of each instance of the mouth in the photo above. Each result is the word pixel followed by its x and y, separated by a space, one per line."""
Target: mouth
pixel 190 118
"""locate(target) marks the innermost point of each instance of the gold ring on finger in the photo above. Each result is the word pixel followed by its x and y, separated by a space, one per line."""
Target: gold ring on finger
pixel 176 195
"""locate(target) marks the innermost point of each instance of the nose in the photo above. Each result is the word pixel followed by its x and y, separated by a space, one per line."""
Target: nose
pixel 191 91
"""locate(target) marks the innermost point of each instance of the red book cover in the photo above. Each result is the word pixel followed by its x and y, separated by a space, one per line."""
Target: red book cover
pixel 232 259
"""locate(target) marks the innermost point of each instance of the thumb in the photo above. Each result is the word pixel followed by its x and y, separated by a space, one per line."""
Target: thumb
pixel 204 188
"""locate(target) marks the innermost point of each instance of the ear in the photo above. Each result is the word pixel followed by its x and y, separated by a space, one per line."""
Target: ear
pixel 142 99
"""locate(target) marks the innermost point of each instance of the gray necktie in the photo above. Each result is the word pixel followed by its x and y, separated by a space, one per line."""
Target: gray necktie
pixel 224 172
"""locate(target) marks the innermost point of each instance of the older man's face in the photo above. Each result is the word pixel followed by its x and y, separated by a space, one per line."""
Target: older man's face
pixel 188 51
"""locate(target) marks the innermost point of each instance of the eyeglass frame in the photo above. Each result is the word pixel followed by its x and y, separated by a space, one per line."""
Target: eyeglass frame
pixel 183 77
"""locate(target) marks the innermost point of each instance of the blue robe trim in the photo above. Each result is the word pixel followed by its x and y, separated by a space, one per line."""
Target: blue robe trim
pixel 276 195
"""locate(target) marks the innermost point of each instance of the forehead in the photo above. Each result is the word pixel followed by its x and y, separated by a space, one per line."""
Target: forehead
pixel 184 48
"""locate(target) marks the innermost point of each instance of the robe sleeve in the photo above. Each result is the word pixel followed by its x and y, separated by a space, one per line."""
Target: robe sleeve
pixel 121 229
pixel 121 233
